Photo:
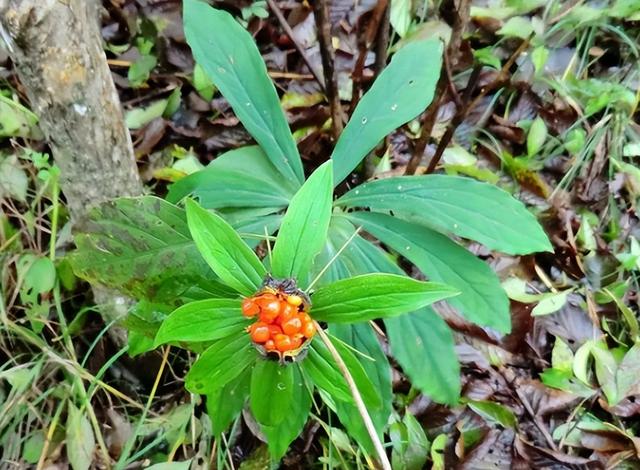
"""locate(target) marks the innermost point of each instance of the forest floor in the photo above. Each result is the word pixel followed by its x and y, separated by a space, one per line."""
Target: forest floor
pixel 543 101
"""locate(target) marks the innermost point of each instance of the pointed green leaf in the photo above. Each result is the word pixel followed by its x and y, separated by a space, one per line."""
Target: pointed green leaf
pixel 139 246
pixel 272 388
pixel 241 177
pixel 229 56
pixel 482 299
pixel 322 370
pixel 223 249
pixel 80 441
pixel 304 227
pixel 468 208
pixel 401 92
pixel 378 295
pixel 376 366
pixel 221 363
pixel 280 436
pixel 423 345
pixel 203 320
pixel 226 403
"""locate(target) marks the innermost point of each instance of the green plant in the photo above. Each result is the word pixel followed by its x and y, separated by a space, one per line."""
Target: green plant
pixel 151 249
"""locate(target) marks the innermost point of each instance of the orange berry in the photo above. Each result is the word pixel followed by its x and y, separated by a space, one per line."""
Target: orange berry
pixel 259 332
pixel 287 311
pixel 274 330
pixel 294 300
pixel 269 309
pixel 270 345
pixel 283 343
pixel 249 307
pixel 296 341
pixel 304 316
pixel 292 325
pixel 308 329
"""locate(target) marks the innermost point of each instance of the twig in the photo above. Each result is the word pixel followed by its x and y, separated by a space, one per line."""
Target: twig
pixel 287 29
pixel 450 59
pixel 463 112
pixel 365 42
pixel 321 14
pixel 362 409
pixel 382 41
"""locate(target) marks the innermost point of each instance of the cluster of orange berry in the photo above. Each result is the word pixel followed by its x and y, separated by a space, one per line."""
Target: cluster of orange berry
pixel 282 324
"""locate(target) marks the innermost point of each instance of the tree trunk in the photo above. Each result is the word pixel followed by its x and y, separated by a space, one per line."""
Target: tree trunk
pixel 57 51
pixel 56 48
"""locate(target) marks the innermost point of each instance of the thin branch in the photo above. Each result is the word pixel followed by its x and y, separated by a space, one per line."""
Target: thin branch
pixel 450 57
pixel 287 29
pixel 362 409
pixel 321 14
pixel 364 43
pixel 463 112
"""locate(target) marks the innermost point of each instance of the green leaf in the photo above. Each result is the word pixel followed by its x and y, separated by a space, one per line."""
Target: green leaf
pixel 370 296
pixel 280 436
pixel 272 389
pixel 465 207
pixel 359 257
pixel 221 363
pixel 14 181
pixel 423 345
pixel 628 372
pixel 304 227
pixel 322 370
pixel 401 92
pixel 184 465
pixel 203 320
pixel 138 246
pixel 482 299
pixel 242 177
pixel 228 54
pixel 494 412
pixel 536 137
pixel 362 338
pixel 605 365
pixel 226 403
pixel 400 16
pixel 410 444
pixel 223 249
pixel 80 441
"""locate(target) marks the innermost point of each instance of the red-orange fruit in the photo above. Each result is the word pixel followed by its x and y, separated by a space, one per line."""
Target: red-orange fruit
pixel 292 325
pixel 249 307
pixel 304 316
pixel 274 330
pixel 270 345
pixel 269 309
pixel 287 311
pixel 283 343
pixel 296 341
pixel 308 329
pixel 259 332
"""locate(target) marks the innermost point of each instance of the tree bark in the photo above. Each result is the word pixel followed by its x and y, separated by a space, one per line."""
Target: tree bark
pixel 57 51
pixel 56 48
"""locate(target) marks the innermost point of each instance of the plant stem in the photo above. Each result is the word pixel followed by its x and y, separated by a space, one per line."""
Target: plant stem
pixel 362 409
pixel 332 260
pixel 55 189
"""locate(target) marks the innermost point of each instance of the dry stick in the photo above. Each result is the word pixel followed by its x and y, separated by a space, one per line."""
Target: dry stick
pixel 362 409
pixel 364 44
pixel 429 116
pixel 287 29
pixel 464 111
pixel 321 14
